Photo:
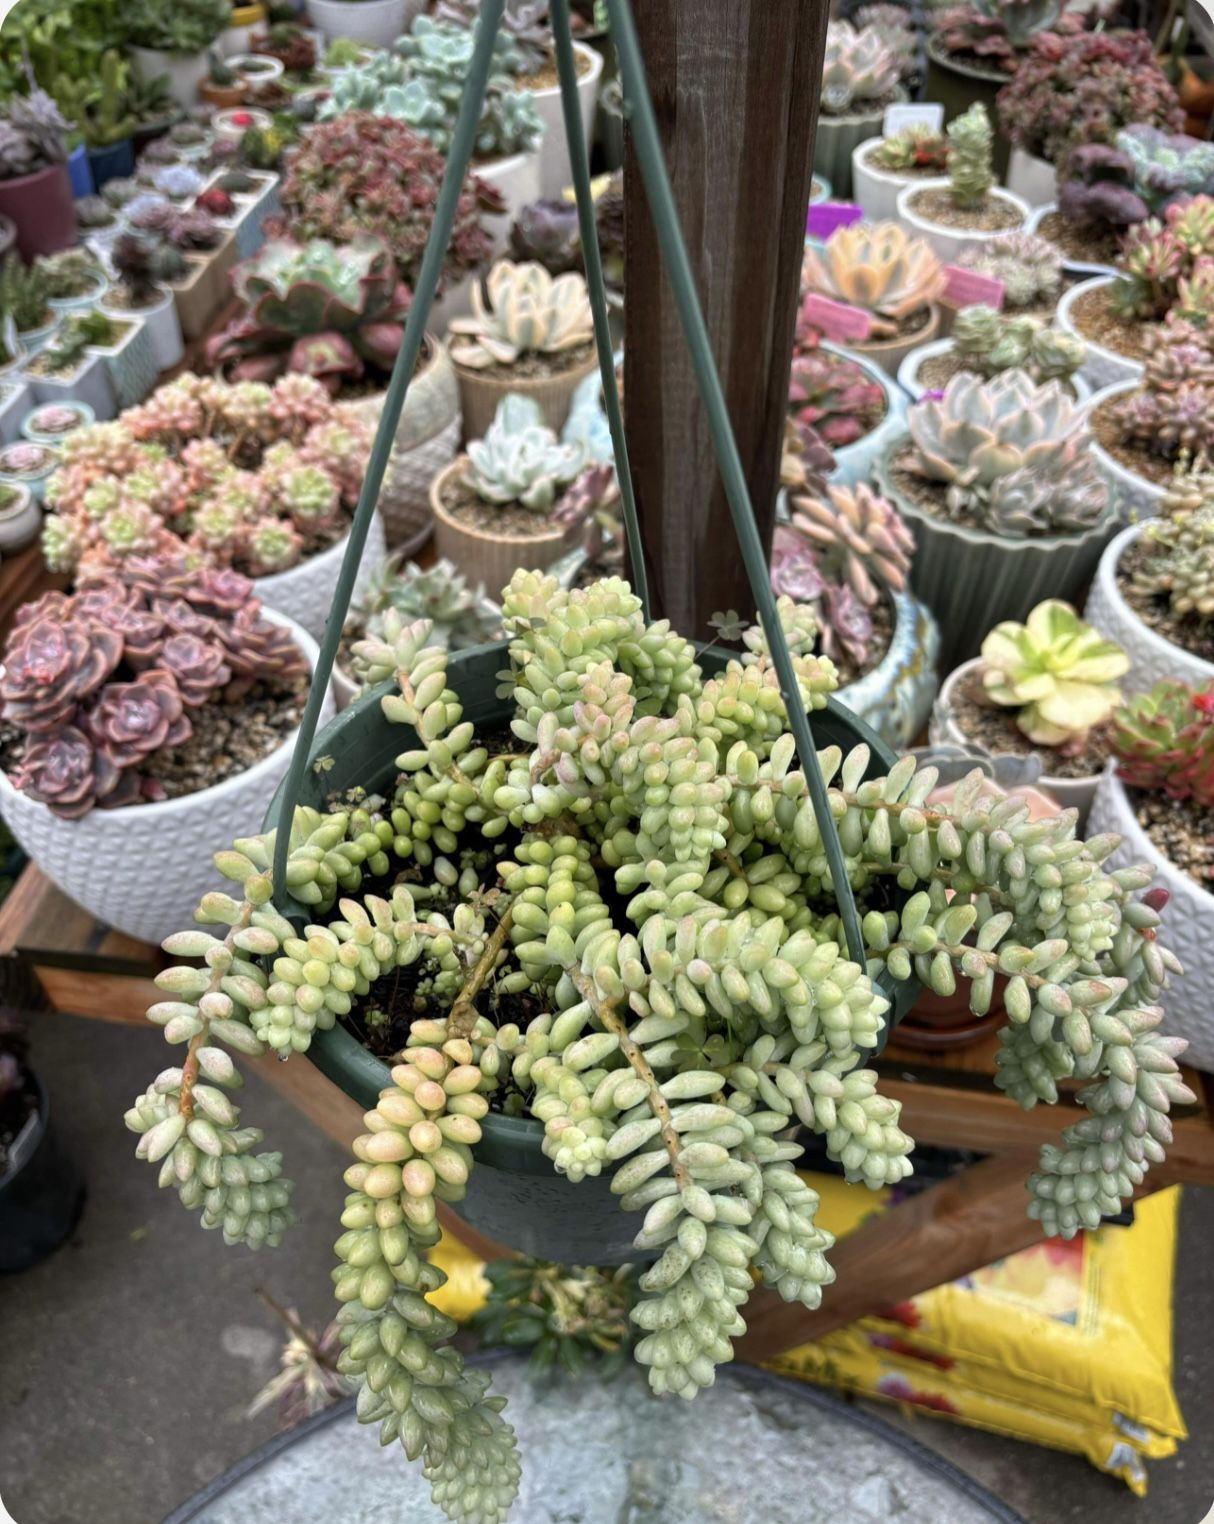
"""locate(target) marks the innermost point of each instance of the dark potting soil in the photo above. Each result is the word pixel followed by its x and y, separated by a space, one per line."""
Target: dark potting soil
pixel 913 323
pixel 993 729
pixel 1182 832
pixel 930 497
pixel 547 78
pixel 504 520
pixel 1080 241
pixel 992 215
pixel 533 367
pixel 1191 634
pixel 1099 324
pixel 1133 456
pixel 937 371
pixel 229 738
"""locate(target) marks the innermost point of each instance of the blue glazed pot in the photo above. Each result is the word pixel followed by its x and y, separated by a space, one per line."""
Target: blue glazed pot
pixel 80 171
pixel 112 162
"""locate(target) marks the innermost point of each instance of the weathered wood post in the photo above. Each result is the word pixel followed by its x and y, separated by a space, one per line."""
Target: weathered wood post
pixel 735 88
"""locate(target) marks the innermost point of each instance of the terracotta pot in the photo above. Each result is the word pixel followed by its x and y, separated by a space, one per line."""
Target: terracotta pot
pixel 937 1022
pixel 223 97
pixel 489 559
pixel 480 394
pixel 890 353
pixel 41 207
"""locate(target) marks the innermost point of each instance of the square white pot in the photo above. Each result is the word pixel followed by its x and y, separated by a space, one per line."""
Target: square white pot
pixel 16 400
pixel 90 383
pixel 131 363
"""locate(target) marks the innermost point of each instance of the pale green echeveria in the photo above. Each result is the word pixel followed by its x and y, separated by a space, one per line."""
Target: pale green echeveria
pixel 520 459
pixel 858 67
pixel 1060 673
pixel 1015 457
pixel 522 310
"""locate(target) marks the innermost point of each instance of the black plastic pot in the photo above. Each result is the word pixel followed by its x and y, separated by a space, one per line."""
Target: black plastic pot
pixel 956 86
pixel 112 162
pixel 514 1195
pixel 41 1194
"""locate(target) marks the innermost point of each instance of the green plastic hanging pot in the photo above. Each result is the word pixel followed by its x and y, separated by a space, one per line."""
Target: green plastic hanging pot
pixel 514 1195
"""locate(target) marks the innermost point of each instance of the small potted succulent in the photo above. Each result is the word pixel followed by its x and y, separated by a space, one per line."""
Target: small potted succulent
pixel 222 88
pixel 141 266
pixel 178 183
pixel 846 553
pixel 35 189
pixel 860 77
pixel 987 342
pixel 236 122
pixel 20 517
pixel 25 297
pixel 191 140
pixel 1049 685
pixel 209 250
pixel 517 498
pixel 99 105
pixel 528 334
pixel 893 277
pixel 28 465
pixel 155 694
pixel 1153 592
pixel 52 423
pixel 881 167
pixel 69 368
pixel 852 407
pixel 294 47
pixel 1003 494
pixel 1097 205
pixel 125 346
pixel 100 223
pixel 1027 267
pixel 257 478
pixel 368 23
pixel 965 208
pixel 1157 798
pixel 74 280
pixel 398 594
pixel 172 38
pixel 255 68
pixel 337 312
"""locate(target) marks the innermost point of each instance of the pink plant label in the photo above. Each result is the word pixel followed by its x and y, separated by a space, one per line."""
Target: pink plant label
pixel 826 216
pixel 967 288
pixel 837 320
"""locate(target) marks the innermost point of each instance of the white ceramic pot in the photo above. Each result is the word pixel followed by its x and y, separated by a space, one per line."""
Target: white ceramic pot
pixel 555 173
pixel 266 68
pixel 908 371
pixel 226 125
pixel 186 71
pixel 35 339
pixel 1137 496
pixel 1188 921
pixel 943 730
pixel 90 383
pixel 518 180
pixel 1103 367
pixel 144 869
pixel 1151 656
pixel 16 401
pixel 21 521
pixel 876 190
pixel 377 23
pixel 1073 266
pixel 163 328
pixel 1031 178
pixel 950 243
pixel 456 301
pixel 854 462
pixel 305 592
pixel 82 303
pixel 131 363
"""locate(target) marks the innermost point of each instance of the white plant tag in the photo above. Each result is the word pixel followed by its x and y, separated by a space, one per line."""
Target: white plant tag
pixel 907 114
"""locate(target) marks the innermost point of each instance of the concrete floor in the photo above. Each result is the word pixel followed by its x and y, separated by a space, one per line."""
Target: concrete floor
pixel 127 1359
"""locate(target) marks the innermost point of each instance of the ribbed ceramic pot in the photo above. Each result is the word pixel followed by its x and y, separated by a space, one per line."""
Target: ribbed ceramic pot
pixel 1151 656
pixel 1071 793
pixel 895 698
pixel 514 1196
pixel 1032 179
pixel 487 559
pixel 378 23
pixel 1071 266
pixel 1188 920
pixel 951 242
pixel 1139 495
pixel 854 462
pixel 162 324
pixel 304 593
pixel 908 372
pixel 554 170
pixel 876 190
pixel 971 579
pixel 1103 367
pixel 89 382
pixel 143 869
pixel 836 139
pixel 480 394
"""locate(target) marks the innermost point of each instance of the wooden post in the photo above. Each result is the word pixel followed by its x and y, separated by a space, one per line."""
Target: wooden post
pixel 735 88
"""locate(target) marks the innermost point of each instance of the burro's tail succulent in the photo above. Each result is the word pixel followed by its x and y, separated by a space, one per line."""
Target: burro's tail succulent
pixel 642 876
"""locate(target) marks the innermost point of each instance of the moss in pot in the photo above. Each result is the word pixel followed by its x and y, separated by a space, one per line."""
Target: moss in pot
pixel 966 206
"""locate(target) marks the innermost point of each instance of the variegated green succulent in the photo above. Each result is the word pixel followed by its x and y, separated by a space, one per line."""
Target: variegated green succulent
pixel 522 310
pixel 991 341
pixel 520 459
pixel 971 140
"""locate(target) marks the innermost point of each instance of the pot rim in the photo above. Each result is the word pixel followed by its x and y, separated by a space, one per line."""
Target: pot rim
pixel 1110 462
pixel 968 70
pixel 1090 268
pixel 587 80
pixel 1063 318
pixel 863 349
pixel 908 371
pixel 1107 573
pixel 917 219
pixel 440 511
pixel 1138 840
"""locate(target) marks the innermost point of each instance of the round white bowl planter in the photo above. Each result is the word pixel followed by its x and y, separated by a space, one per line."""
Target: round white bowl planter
pixel 237 120
pixel 949 242
pixel 908 372
pixel 34 339
pixel 1138 496
pixel 186 71
pixel 1072 266
pixel 943 730
pixel 854 462
pixel 876 190
pixel 256 68
pixel 554 170
pixel 517 178
pixel 32 430
pixel 143 869
pixel 895 698
pixel 304 593
pixel 1032 179
pixel 1103 367
pixel 378 23
pixel 21 521
pixel 86 299
pixel 1151 656
pixel 163 326
pixel 1188 920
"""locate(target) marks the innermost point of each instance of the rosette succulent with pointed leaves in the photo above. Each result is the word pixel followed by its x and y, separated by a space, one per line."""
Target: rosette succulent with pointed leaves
pixel 244 475
pixel 1014 457
pixel 1057 672
pixel 1171 412
pixel 643 877
pixel 522 310
pixel 1029 267
pixel 99 683
pixel 1164 742
pixel 520 459
pixel 322 309
pixel 860 71
pixel 915 147
pixel 1177 561
pixel 877 266
pixel 399 593
pixel 1160 260
pixel 990 341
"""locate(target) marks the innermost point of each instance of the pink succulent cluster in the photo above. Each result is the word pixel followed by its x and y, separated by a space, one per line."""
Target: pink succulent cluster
pixel 835 397
pixel 1171 412
pixel 246 476
pixel 100 681
pixel 1168 266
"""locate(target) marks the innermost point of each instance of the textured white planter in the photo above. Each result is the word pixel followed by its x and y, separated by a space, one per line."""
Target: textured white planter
pixel 943 730
pixel 518 180
pixel 131 363
pixel 305 592
pixel 186 71
pixel 225 125
pixel 555 173
pixel 1151 656
pixel 273 67
pixel 854 462
pixel 1137 496
pixel 456 301
pixel 16 401
pixel 1188 921
pixel 90 383
pixel 163 328
pixel 144 869
pixel 1103 367
pixel 82 303
pixel 1074 266
pixel 378 23
pixel 1031 178
pixel 21 521
pixel 908 371
pixel 876 190
pixel 951 243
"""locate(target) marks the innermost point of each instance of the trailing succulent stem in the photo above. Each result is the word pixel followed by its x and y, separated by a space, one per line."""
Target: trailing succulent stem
pixel 623 922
